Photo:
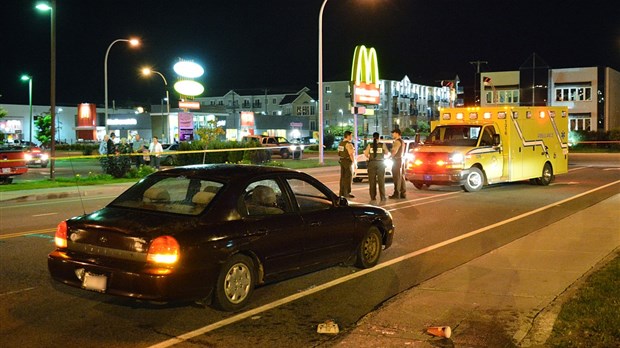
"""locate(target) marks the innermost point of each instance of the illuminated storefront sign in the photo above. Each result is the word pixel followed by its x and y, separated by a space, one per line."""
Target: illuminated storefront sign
pixel 189 105
pixel 189 88
pixel 122 121
pixel 247 119
pixel 365 76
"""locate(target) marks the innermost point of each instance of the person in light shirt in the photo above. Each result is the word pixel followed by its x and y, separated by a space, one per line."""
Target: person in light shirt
pixel 155 149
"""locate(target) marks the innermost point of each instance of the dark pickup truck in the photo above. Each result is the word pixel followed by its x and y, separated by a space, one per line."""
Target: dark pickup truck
pixel 12 162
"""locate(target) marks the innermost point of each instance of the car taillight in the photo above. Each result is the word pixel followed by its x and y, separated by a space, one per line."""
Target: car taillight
pixel 60 238
pixel 163 250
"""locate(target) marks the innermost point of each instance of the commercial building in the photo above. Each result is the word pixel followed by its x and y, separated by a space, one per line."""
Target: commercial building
pixel 592 94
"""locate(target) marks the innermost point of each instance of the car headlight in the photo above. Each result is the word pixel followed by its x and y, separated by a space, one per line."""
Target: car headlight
pixel 28 157
pixel 45 157
pixel 292 147
pixel 457 158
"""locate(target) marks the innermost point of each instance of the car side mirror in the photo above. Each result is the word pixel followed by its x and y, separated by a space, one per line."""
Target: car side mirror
pixel 495 139
pixel 342 202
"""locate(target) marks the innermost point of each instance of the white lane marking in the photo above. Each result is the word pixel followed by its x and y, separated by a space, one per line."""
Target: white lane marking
pixel 269 306
pixel 46 214
pixel 16 291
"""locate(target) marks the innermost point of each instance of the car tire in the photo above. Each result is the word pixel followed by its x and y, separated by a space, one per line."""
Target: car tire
pixel 235 283
pixel 44 165
pixel 357 179
pixel 418 185
pixel 285 154
pixel 547 175
pixel 474 180
pixel 369 250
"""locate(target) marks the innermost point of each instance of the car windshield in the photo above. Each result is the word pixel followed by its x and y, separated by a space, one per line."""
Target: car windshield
pixel 454 135
pixel 177 195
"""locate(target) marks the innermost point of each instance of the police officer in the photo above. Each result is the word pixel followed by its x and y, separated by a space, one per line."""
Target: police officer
pixel 345 152
pixel 375 154
pixel 398 148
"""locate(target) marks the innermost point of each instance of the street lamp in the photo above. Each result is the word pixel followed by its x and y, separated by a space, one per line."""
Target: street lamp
pixel 321 161
pixel 51 7
pixel 147 72
pixel 29 79
pixel 132 42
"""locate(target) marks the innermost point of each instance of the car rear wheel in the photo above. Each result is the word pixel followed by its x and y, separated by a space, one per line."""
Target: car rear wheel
pixel 235 284
pixel 547 175
pixel 369 249
pixel 418 185
pixel 285 154
pixel 357 179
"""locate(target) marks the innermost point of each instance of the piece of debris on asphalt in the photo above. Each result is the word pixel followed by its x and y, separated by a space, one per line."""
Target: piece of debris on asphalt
pixel 440 331
pixel 328 327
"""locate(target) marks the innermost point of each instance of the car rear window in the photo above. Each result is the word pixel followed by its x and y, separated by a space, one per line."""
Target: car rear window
pixel 177 195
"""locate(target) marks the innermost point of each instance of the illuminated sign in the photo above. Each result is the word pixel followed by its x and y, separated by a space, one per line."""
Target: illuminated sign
pixel 122 122
pixel 188 69
pixel 247 119
pixel 189 88
pixel 365 76
pixel 189 105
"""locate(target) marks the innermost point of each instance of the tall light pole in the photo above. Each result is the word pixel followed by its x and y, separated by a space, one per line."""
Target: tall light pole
pixel 29 79
pixel 147 72
pixel 132 42
pixel 51 7
pixel 321 161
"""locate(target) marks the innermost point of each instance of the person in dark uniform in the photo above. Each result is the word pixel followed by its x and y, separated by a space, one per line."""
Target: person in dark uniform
pixel 345 152
pixel 375 154
pixel 398 170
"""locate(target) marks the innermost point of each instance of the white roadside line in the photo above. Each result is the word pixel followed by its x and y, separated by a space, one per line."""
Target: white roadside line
pixel 241 316
pixel 46 214
pixel 16 291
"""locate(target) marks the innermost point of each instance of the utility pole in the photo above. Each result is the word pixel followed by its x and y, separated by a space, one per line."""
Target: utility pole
pixel 477 63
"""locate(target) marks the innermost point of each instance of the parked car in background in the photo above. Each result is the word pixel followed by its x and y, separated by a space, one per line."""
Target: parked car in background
pixel 12 163
pixel 279 145
pixel 35 156
pixel 213 233
pixel 360 167
pixel 169 157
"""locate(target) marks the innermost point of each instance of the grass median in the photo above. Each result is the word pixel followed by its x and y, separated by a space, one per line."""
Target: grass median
pixel 103 179
pixel 591 316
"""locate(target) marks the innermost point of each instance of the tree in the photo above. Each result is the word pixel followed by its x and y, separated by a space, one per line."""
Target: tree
pixel 3 113
pixel 43 123
pixel 210 132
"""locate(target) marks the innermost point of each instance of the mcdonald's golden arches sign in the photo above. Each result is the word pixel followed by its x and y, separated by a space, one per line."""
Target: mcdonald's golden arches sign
pixel 365 76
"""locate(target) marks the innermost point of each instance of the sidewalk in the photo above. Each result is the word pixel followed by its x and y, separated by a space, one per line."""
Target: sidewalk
pixel 508 297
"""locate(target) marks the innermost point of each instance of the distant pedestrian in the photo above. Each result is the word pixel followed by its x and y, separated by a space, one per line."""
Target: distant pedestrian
pixel 345 152
pixel 103 145
pixel 155 149
pixel 138 146
pixel 398 169
pixel 111 146
pixel 375 155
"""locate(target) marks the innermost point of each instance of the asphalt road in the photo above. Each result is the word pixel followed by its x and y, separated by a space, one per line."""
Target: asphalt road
pixel 34 311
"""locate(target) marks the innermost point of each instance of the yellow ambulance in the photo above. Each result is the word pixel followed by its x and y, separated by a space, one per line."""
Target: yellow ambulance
pixel 473 147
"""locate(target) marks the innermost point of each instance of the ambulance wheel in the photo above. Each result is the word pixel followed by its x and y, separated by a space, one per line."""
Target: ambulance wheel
pixel 418 185
pixel 547 175
pixel 474 180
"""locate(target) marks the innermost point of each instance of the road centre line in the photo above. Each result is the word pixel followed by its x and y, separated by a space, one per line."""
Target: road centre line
pixel 46 214
pixel 241 316
pixel 21 234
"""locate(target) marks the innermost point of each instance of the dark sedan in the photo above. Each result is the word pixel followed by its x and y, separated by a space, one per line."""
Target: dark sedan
pixel 214 232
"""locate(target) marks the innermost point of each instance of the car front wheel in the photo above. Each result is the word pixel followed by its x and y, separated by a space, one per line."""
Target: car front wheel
pixel 235 284
pixel 474 180
pixel 369 249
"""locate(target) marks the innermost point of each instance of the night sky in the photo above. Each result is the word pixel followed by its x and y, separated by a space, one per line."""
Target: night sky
pixel 251 44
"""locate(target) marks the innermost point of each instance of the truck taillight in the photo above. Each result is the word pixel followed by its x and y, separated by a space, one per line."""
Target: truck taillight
pixel 60 238
pixel 164 250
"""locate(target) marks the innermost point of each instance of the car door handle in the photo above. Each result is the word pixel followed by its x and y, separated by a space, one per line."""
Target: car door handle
pixel 315 223
pixel 259 232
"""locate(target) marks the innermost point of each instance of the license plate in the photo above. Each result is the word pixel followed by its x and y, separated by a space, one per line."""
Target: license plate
pixel 6 170
pixel 428 177
pixel 94 282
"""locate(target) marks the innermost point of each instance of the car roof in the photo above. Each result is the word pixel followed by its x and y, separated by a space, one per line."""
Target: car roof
pixel 225 171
